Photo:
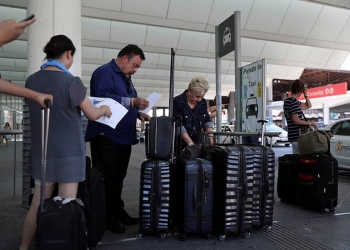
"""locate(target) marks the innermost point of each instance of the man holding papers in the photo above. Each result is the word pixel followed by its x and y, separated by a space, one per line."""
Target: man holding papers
pixel 111 147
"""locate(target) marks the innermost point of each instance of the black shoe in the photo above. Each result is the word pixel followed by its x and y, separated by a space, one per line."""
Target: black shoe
pixel 117 228
pixel 127 219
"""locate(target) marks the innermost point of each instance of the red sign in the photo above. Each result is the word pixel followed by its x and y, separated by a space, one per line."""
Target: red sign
pixel 324 91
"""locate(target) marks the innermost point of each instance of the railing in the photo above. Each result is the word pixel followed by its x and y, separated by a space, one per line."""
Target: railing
pixel 15 133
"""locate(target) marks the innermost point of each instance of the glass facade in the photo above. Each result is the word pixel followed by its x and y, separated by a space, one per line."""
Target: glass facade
pixel 11 111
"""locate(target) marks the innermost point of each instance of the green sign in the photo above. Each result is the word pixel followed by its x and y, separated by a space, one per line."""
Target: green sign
pixel 226 41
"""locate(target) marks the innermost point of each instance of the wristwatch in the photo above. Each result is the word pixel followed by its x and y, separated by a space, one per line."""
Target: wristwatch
pixel 190 144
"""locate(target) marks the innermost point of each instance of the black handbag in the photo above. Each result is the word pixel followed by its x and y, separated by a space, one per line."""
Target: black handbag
pixel 191 152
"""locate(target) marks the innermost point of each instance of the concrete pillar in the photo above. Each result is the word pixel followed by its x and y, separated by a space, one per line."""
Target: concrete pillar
pixel 53 18
pixel 231 115
pixel 325 114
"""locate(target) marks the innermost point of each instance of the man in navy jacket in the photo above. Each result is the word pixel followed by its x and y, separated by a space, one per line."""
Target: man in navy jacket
pixel 111 148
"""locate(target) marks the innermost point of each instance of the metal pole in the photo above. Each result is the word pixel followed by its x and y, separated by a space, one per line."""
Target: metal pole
pixel 218 82
pixel 14 170
pixel 171 90
pixel 237 42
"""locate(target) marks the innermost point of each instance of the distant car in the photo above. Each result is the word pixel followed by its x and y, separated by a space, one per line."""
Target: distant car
pixel 251 107
pixel 227 36
pixel 340 141
pixel 228 139
pixel 281 139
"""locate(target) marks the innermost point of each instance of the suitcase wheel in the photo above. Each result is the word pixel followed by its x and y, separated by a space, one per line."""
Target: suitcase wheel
pixel 331 209
pixel 268 228
pixel 222 237
pixel 247 235
pixel 208 236
pixel 163 235
pixel 138 236
pixel 182 237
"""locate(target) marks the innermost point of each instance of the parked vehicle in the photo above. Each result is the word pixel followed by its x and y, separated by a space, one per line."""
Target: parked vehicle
pixel 340 142
pixel 281 139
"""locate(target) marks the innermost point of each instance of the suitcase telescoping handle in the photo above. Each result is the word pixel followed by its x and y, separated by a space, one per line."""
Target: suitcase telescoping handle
pixel 44 136
pixel 263 122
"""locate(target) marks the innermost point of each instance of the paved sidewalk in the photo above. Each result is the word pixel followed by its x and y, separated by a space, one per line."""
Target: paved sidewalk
pixel 294 227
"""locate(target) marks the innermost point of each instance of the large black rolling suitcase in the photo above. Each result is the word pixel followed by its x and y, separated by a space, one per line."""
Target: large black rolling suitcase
pixel 192 197
pixel 233 190
pixel 288 166
pixel 264 186
pixel 60 223
pixel 154 197
pixel 317 183
pixel 92 193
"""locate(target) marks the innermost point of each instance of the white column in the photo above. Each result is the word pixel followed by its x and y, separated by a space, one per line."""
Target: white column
pixel 325 114
pixel 53 17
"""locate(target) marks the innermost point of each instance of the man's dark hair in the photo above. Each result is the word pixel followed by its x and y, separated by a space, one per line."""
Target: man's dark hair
pixel 130 51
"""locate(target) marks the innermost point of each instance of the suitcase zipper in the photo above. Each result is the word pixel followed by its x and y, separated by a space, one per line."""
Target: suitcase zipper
pixel 155 196
pixel 263 186
pixel 199 195
pixel 241 189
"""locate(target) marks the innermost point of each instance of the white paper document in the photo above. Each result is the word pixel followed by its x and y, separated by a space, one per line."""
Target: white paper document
pixel 153 99
pixel 118 111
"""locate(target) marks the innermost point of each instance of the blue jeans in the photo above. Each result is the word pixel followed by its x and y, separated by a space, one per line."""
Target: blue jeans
pixel 295 147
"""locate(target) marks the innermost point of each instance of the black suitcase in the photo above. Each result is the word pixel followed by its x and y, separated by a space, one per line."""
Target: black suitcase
pixel 317 182
pixel 60 223
pixel 264 186
pixel 158 137
pixel 92 193
pixel 192 197
pixel 154 197
pixel 233 190
pixel 288 166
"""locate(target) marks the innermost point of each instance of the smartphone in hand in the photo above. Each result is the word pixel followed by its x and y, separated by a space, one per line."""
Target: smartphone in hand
pixel 31 16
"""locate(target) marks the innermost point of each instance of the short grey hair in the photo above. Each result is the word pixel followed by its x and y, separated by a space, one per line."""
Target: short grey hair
pixel 199 84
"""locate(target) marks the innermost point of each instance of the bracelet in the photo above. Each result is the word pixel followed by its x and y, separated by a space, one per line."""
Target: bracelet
pixel 190 144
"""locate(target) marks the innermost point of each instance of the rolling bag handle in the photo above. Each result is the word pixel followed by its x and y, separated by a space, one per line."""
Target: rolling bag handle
pixel 44 136
pixel 171 88
pixel 176 139
pixel 263 131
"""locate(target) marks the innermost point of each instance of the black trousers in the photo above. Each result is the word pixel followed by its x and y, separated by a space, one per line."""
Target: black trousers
pixel 112 159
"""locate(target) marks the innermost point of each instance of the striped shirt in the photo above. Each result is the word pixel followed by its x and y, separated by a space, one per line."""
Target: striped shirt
pixel 292 106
